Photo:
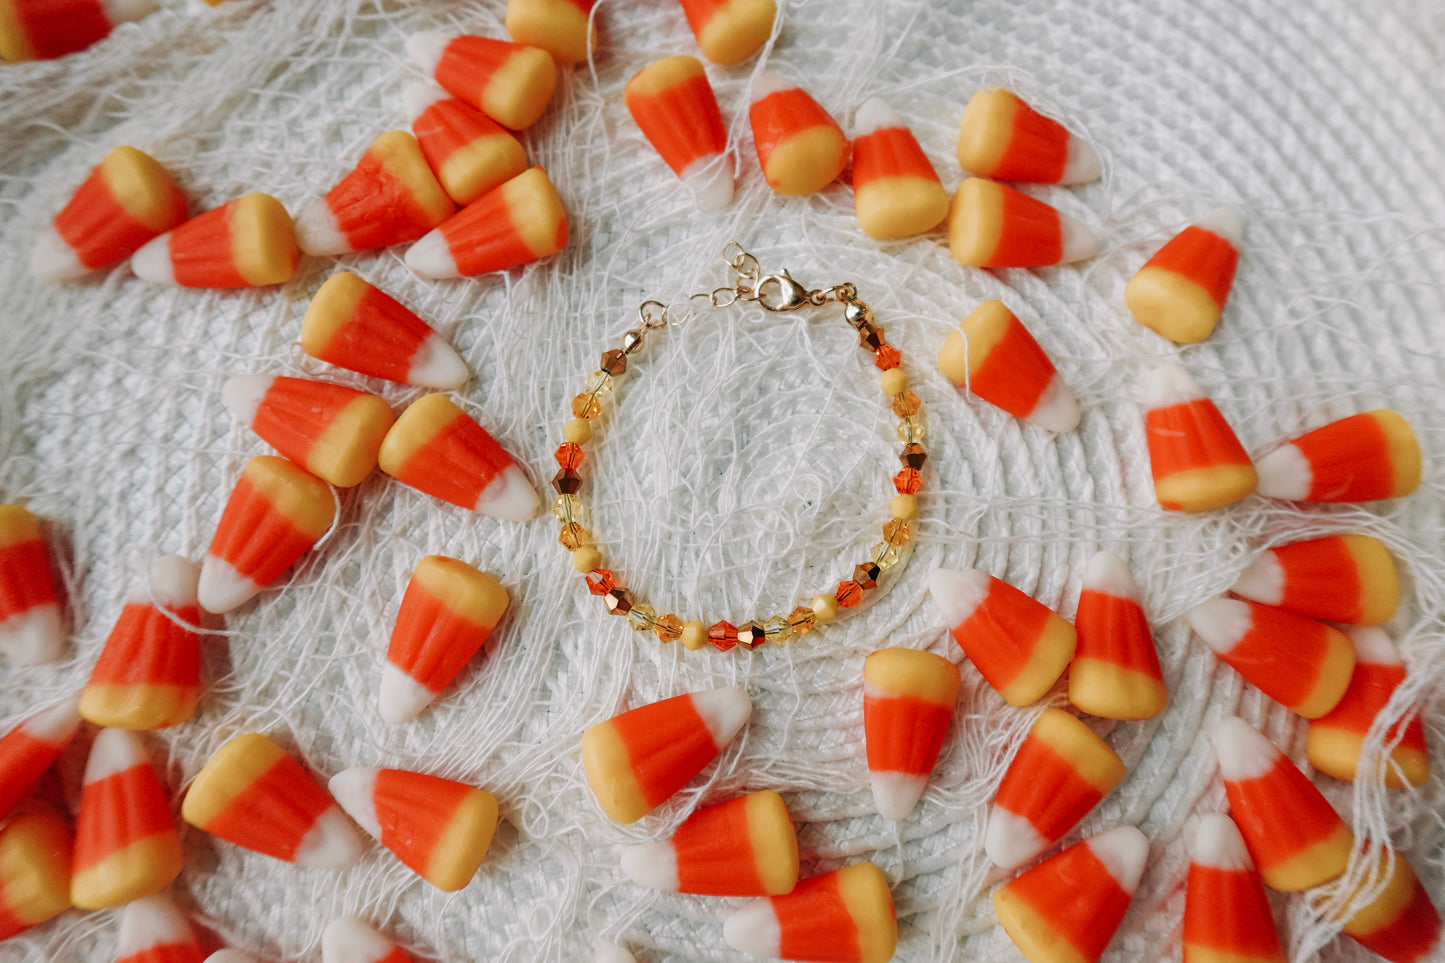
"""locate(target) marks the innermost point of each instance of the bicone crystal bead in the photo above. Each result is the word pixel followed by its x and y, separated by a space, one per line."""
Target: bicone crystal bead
pixel 565 508
pixel 910 429
pixel 779 629
pixel 849 594
pixel 907 481
pixel 870 336
pixel 866 575
pixel 722 635
pixel 618 601
pixel 586 406
pixel 614 362
pixel 642 617
pixel 896 531
pixel 599 383
pixel 905 404
pixel 887 357
pixel 668 627
pixel 572 536
pixel 569 455
pixel 885 555
pixel 913 455
pixel 600 581
pixel 751 635
pixel 802 620
pixel 567 482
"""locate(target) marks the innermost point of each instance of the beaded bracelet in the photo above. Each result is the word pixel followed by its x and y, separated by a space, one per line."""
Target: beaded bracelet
pixel 774 293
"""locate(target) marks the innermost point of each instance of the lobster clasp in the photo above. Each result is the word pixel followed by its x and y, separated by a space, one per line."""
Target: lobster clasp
pixel 779 292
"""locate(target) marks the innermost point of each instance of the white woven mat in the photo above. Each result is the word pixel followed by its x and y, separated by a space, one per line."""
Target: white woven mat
pixel 745 465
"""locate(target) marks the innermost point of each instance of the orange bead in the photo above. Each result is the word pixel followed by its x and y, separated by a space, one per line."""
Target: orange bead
pixel 35 853
pixel 1399 924
pixel 243 243
pixel 560 27
pixel 470 153
pixel 30 748
pixel 1226 914
pixel 674 105
pixel 390 196
pixel 1196 460
pixel 518 223
pixel 1180 291
pixel 845 916
pixel 636 761
pixel 896 191
pixel 800 148
pixel 148 675
pixel 152 930
pixel 253 794
pixel 993 355
pixel 1293 834
pixel 30 628
pixel 348 940
pixel 446 616
pixel 275 514
pixel 1363 458
pixel 1339 578
pixel 1001 136
pixel 908 700
pixel 1060 773
pixel 1115 672
pixel 730 30
pixel 1020 646
pixel 127 200
pixel 743 847
pixel 47 29
pixel 991 225
pixel 509 82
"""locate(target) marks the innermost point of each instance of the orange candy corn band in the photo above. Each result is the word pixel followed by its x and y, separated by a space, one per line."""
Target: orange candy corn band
pixel 1181 290
pixel 1340 578
pixel 30 748
pixel 673 104
pixel 518 223
pixel 48 29
pixel 35 851
pixel 469 152
pixel 743 847
pixel 845 916
pixel 1363 458
pixel 30 625
pixel 1196 460
pixel 908 701
pixel 509 82
pixel 244 243
pixel 991 225
pixel 800 148
pixel 1002 137
pixel 896 191
pixel 995 357
pixel 1400 924
pixel 1115 672
pixel 1227 918
pixel 730 30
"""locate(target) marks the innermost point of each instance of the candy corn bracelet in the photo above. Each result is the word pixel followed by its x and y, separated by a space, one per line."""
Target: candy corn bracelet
pixel 775 293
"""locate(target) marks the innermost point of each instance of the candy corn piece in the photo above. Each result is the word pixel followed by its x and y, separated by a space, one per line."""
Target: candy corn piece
pixel 46 29
pixel 845 916
pixel 125 201
pixel 518 223
pixel 1066 909
pixel 1302 664
pixel 152 930
pixel 992 225
pixel 30 631
pixel 32 747
pixel 1180 291
pixel 357 326
pixel 908 700
pixel 801 148
pixel 636 761
pixel 995 357
pixel 509 82
pixel 34 871
pixel 1061 771
pixel 332 431
pixel 896 191
pixel 243 243
pixel 348 940
pixel 673 103
pixel 390 196
pixel 1115 673
pixel 470 152
pixel 148 675
pixel 1336 739
pixel 439 828
pixel 730 30
pixel 1226 914
pixel 1362 458
pixel 560 27
pixel 1020 646
pixel 743 847
pixel 126 846
pixel 276 512
pixel 1004 138
pixel 1339 578
pixel 436 448
pixel 1294 836
pixel 1197 461
pixel 253 794
pixel 446 616
pixel 1400 924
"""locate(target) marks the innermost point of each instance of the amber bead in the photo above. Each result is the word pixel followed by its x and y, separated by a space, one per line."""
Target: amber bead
pixel 642 617
pixel 586 406
pixel 849 594
pixel 618 601
pixel 907 481
pixel 567 482
pixel 802 620
pixel 668 627
pixel 886 357
pixel 600 581
pixel 896 531
pixel 913 455
pixel 906 404
pixel 569 455
pixel 614 362
pixel 751 635
pixel 572 536
pixel 723 636
pixel 866 575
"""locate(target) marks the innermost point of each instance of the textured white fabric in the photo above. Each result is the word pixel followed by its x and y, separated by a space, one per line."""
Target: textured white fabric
pixel 744 465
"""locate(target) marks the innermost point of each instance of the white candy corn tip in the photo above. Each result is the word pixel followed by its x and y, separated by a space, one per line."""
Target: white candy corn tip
pixel 614 954
pixel 430 258
pixel 32 637
pixel 754 929
pixel 318 234
pixel 55 725
pixel 221 587
pixel 1218 844
pixel 401 697
pixel 957 594
pixel 1221 623
pixel 230 956
pixel 425 49
pixel 124 11
pixel 114 750
pixel 653 865
pixel 711 181
pixel 243 395
pixel 1057 409
pixel 153 261
pixel 348 940
pixel 355 791
pixel 896 793
pixel 149 922
pixel 330 843
pixel 1079 242
pixel 436 364
pixel 1123 850
pixel 171 582
pixel 418 97
pixel 1011 840
pixel 769 82
pixel 1262 581
pixel 1225 222
pixel 1285 473
pixel 509 496
pixel 875 115
pixel 1083 164
pixel 1170 384
pixel 1373 646
pixel 1242 750
pixel 1108 574
pixel 53 259
pixel 724 711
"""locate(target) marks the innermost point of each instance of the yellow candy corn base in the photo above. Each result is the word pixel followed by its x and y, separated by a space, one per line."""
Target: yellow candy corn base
pixel 140 869
pixel 137 706
pixel 1050 656
pixel 1314 866
pixel 463 845
pixel 1172 305
pixel 1104 689
pixel 1201 489
pixel 609 770
pixel 1336 752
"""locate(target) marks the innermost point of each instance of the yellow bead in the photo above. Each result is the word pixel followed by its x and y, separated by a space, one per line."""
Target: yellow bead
pixel 895 382
pixel 586 558
pixel 694 635
pixel 904 507
pixel 825 608
pixel 578 431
